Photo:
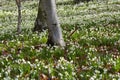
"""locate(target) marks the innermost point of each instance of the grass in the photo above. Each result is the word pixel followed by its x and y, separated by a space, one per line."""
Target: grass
pixel 91 52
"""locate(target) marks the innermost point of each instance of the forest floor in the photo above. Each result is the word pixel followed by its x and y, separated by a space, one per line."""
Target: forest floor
pixel 92 52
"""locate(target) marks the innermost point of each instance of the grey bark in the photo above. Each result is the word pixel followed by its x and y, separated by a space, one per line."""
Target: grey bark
pixel 18 2
pixel 47 16
pixel 40 22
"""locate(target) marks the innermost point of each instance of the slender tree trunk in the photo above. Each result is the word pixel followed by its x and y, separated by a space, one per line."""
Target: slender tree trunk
pixel 18 2
pixel 47 15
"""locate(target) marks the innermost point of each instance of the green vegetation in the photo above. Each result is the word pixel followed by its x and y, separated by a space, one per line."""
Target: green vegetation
pixel 91 52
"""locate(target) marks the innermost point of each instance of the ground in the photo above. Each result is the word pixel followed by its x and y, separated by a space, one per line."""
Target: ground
pixel 91 32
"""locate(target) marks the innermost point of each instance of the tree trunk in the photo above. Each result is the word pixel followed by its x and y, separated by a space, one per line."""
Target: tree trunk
pixel 18 2
pixel 40 22
pixel 47 16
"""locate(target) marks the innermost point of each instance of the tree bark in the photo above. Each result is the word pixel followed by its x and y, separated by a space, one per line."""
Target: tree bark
pixel 47 15
pixel 40 22
pixel 18 2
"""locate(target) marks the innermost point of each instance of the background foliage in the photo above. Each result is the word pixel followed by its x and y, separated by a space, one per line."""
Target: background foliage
pixel 91 52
